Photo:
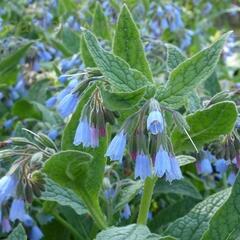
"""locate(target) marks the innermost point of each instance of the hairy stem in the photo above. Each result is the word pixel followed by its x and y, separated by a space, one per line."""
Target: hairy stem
pixel 146 200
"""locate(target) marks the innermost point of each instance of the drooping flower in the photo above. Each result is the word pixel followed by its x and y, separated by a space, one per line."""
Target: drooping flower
pixel 162 162
pixel 110 193
pixel 94 136
pixel 62 78
pixel 155 121
pixel 231 178
pixel 204 166
pixel 67 105
pixel 27 221
pixel 51 102
pixel 126 213
pixel 221 165
pixel 8 123
pixel 143 166
pixel 83 133
pixel 36 233
pixel 167 164
pixel 175 172
pixel 8 185
pixel 6 226
pixel 17 210
pixel 116 148
pixel 53 134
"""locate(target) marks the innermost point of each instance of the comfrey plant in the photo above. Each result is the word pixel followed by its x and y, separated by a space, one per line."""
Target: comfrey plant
pixel 128 140
pixel 150 128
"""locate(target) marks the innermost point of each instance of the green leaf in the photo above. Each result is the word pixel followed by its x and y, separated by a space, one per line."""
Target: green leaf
pixel 126 194
pixel 19 109
pixel 114 69
pixel 190 73
pixel 172 212
pixel 225 223
pixel 70 40
pixel 206 125
pixel 128 45
pixel 181 187
pixel 193 225
pixel 121 100
pixel 18 233
pixel 63 196
pixel 130 232
pixel 38 91
pixel 185 159
pixel 55 230
pixel 194 102
pixel 85 54
pixel 73 169
pixel 92 183
pixel 68 168
pixel 212 85
pixel 8 65
pixel 174 56
pixel 35 110
pixel 100 23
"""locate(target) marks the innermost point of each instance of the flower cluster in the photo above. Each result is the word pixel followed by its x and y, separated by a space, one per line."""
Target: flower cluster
pixel 11 193
pixel 148 143
pixel 23 182
pixel 92 123
pixel 221 157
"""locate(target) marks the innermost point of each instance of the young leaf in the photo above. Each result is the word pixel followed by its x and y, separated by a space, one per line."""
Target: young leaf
pixel 225 222
pixel 193 225
pixel 190 73
pixel 18 233
pixel 206 125
pixel 128 45
pixel 130 232
pixel 63 196
pixel 114 69
pixel 121 100
pixel 100 23
pixel 92 183
pixel 174 56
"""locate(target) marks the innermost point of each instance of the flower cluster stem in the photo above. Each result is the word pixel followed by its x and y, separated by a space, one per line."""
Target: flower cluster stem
pixel 146 200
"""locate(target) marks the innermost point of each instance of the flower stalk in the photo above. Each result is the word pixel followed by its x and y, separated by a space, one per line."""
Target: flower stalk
pixel 146 200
